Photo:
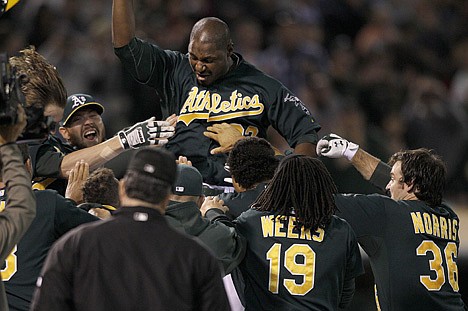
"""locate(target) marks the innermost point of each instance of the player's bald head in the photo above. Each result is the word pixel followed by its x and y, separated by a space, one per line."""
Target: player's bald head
pixel 212 30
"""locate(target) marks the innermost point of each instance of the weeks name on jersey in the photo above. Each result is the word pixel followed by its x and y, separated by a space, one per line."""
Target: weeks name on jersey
pixel 439 226
pixel 286 227
pixel 201 104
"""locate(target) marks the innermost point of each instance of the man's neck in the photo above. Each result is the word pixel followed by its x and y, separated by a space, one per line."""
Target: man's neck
pixel 131 202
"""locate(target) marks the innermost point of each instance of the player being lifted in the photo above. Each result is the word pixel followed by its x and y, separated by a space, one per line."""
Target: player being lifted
pixel 211 84
pixel 411 238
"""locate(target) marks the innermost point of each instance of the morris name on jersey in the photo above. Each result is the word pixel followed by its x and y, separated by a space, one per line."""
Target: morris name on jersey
pixel 436 225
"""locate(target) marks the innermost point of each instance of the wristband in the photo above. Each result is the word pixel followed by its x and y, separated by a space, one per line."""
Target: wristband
pixel 123 140
pixel 351 150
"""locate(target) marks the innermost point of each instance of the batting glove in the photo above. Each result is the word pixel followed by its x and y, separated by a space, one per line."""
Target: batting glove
pixel 333 146
pixel 149 132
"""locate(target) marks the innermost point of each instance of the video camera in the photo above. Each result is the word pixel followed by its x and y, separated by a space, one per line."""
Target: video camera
pixel 38 126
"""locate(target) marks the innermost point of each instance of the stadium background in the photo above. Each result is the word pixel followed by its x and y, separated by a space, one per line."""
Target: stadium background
pixel 386 74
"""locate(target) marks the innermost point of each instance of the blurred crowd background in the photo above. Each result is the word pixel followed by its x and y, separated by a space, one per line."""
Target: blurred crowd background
pixel 385 74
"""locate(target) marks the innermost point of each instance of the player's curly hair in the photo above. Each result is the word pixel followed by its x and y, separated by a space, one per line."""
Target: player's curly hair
pixel 251 161
pixel 42 83
pixel 426 171
pixel 301 187
pixel 102 187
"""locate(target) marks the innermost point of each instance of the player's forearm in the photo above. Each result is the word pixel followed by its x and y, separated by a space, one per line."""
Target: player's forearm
pixel 123 22
pixel 95 156
pixel 305 149
pixel 365 163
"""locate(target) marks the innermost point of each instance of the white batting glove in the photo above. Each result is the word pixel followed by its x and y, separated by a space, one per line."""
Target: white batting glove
pixel 149 132
pixel 333 146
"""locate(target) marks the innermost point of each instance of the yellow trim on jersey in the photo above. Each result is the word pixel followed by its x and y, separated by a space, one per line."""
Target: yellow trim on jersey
pixel 109 207
pixel 377 303
pixel 43 183
pixel 10 4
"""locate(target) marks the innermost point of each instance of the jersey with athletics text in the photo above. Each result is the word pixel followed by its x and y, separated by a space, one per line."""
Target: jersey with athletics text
pixel 55 215
pixel 289 269
pixel 245 97
pixel 412 248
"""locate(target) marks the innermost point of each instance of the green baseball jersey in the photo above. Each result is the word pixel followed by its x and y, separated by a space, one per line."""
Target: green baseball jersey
pixel 55 216
pixel 290 269
pixel 46 159
pixel 244 97
pixel 412 249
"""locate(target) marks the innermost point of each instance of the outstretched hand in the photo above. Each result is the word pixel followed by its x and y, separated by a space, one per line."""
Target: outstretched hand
pixel 145 133
pixel 334 146
pixel 225 134
pixel 76 180
pixel 212 202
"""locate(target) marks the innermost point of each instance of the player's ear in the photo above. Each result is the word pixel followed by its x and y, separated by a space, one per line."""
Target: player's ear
pixel 200 200
pixel 64 132
pixel 230 48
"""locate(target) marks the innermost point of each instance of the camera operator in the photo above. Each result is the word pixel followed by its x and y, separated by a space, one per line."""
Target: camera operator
pixel 20 208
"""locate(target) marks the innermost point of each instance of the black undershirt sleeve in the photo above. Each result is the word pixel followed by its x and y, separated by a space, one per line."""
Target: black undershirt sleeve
pixel 381 175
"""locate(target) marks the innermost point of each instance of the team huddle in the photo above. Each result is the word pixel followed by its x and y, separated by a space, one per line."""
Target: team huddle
pixel 126 223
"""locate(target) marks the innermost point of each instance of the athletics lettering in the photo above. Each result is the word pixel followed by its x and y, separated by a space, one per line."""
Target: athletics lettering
pixel 201 104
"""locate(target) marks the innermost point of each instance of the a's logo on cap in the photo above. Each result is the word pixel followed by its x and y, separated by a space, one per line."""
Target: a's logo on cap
pixel 179 189
pixel 149 168
pixel 78 100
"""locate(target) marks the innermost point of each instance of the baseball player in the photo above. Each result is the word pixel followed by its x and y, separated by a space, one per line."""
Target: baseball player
pixel 299 255
pixel 84 131
pixel 411 238
pixel 55 215
pixel 209 85
pixel 134 260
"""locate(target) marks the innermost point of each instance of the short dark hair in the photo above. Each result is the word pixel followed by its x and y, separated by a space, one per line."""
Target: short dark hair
pixel 102 187
pixel 301 187
pixel 251 161
pixel 216 30
pixel 146 188
pixel 426 171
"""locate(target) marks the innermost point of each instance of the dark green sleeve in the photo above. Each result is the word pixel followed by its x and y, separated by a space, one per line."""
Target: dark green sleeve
pixel 292 119
pixel 69 216
pixel 46 161
pixel 365 213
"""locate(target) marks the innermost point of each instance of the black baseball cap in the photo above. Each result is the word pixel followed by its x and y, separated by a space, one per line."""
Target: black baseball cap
pixel 156 163
pixel 78 101
pixel 189 181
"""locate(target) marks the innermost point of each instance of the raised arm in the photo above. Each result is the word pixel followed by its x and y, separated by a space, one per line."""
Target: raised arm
pixel 123 22
pixel 370 167
pixel 365 163
pixel 305 149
